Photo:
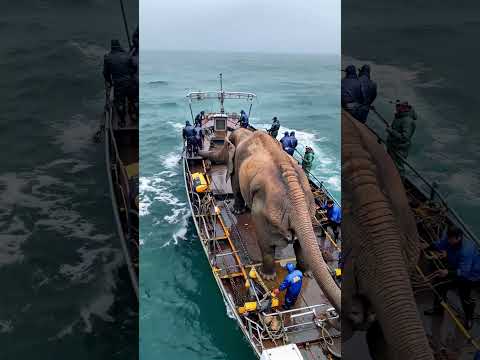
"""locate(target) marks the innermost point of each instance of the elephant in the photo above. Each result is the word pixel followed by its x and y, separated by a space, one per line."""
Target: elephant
pixel 380 250
pixel 275 188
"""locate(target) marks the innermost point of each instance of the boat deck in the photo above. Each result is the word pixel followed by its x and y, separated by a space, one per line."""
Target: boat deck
pixel 232 246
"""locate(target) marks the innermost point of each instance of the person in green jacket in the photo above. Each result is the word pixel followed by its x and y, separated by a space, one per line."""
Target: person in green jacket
pixel 308 159
pixel 400 134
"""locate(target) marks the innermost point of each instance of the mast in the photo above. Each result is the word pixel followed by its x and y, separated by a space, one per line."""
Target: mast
pixel 125 24
pixel 222 95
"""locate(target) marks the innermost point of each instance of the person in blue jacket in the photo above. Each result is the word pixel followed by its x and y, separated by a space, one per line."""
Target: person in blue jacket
pixel 293 284
pixel 369 92
pixel 243 119
pixel 334 215
pixel 351 92
pixel 462 271
pixel 285 141
pixel 293 142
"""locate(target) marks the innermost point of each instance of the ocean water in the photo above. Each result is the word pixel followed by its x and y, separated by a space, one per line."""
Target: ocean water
pixel 182 314
pixel 62 296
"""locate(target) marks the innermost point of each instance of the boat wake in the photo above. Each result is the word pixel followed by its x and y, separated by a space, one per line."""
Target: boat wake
pixel 160 204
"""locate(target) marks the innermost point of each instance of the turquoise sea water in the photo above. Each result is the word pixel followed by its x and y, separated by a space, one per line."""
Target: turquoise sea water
pixel 182 315
pixel 65 294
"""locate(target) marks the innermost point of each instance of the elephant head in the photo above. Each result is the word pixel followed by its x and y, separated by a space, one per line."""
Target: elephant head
pixel 380 248
pixel 226 153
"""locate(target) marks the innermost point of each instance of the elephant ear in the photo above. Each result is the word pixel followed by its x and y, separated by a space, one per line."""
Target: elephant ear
pixel 231 156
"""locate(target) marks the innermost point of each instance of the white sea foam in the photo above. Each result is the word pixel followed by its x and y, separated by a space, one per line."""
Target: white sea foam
pixel 181 233
pixel 175 217
pixel 77 135
pixel 176 126
pixel 171 160
pixel 6 326
pixel 91 52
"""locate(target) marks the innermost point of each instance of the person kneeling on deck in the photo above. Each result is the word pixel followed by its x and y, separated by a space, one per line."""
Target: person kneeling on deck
pixel 293 284
pixel 400 134
pixel 243 119
pixel 199 118
pixel 189 136
pixel 307 161
pixel 273 131
pixel 334 216
pixel 462 271
pixel 198 137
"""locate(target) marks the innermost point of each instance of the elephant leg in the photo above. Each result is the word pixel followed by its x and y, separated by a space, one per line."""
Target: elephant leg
pixel 376 343
pixel 268 261
pixel 301 264
pixel 239 203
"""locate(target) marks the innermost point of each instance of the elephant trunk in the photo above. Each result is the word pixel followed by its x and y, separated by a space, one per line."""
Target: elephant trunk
pixel 303 228
pixel 219 156
pixel 392 296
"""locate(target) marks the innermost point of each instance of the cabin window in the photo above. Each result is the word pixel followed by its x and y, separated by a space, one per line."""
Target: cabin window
pixel 220 124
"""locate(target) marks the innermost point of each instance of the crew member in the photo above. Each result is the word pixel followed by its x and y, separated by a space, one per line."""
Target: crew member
pixel 290 143
pixel 293 140
pixel 189 136
pixel 351 92
pixel 116 71
pixel 133 92
pixel 243 119
pixel 307 161
pixel 293 284
pixel 334 216
pixel 369 92
pixel 462 271
pixel 199 118
pixel 285 141
pixel 400 134
pixel 273 131
pixel 198 137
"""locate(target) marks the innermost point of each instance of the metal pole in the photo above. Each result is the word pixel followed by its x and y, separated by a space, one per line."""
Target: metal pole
pixel 380 117
pixel 191 111
pixel 249 110
pixel 126 24
pixel 222 110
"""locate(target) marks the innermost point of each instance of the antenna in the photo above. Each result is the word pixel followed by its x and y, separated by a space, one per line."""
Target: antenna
pixel 222 95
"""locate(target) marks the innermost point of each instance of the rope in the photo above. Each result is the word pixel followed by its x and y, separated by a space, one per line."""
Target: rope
pixel 451 314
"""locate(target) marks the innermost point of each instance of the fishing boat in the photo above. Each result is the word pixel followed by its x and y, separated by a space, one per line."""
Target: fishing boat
pixel 121 158
pixel 231 247
pixel 433 216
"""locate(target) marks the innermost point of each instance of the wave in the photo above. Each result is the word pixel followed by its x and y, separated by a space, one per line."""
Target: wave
pixel 92 53
pixel 158 82
pixel 76 136
pixel 171 160
pixel 169 104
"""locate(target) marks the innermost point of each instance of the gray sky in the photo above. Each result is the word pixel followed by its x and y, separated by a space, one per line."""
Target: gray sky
pixel 311 26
